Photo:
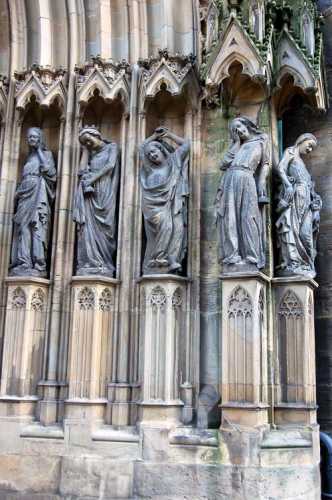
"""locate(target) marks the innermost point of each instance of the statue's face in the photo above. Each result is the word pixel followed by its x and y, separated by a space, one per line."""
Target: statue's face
pixel 241 130
pixel 90 141
pixel 307 146
pixel 154 154
pixel 33 138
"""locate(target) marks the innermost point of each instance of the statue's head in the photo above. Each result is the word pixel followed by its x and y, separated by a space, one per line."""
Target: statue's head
pixel 306 143
pixel 239 128
pixel 155 152
pixel 35 137
pixel 90 137
pixel 243 128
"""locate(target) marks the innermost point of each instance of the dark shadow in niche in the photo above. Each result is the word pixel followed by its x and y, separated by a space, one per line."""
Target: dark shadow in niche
pixel 49 121
pixel 165 110
pixel 107 117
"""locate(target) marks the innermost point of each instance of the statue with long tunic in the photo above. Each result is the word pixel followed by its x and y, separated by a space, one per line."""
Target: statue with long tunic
pixel 95 204
pixel 241 197
pixel 33 201
pixel 299 211
pixel 164 182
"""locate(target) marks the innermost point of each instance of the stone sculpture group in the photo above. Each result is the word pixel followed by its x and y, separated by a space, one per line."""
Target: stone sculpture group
pixel 240 204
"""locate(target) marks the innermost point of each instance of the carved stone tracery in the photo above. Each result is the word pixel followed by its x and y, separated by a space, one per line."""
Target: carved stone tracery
pixel 18 299
pixel 290 305
pixel 106 300
pixel 109 78
pixel 86 299
pixel 38 300
pixel 158 297
pixel 240 303
pixel 45 83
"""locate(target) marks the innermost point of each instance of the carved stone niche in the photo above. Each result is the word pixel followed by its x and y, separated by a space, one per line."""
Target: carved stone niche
pixel 40 102
pixel 243 343
pixel 23 347
pixel 163 321
pixel 93 337
pixel 297 73
pixel 168 97
pixel 237 67
pixel 172 73
pixel 103 95
pixel 294 360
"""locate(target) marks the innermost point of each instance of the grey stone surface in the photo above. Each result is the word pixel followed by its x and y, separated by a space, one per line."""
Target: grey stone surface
pixel 299 211
pixel 164 182
pixel 95 204
pixel 34 196
pixel 240 200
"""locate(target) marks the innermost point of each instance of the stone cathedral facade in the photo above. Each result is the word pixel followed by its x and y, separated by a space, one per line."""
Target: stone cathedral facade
pixel 165 236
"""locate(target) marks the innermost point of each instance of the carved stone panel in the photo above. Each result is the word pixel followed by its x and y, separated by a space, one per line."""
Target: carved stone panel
pixel 24 337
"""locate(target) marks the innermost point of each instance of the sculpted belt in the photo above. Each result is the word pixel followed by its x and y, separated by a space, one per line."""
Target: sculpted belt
pixel 243 169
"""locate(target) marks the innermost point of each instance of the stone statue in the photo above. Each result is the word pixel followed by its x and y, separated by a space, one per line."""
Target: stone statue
pixel 241 197
pixel 95 204
pixel 299 211
pixel 33 200
pixel 164 181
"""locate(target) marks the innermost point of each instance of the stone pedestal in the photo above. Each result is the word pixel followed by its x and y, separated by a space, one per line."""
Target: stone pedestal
pixel 295 385
pixel 92 345
pixel 243 342
pixel 23 347
pixel 163 321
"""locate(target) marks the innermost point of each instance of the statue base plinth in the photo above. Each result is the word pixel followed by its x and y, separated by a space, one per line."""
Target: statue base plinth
pixel 295 385
pixel 163 318
pixel 243 340
pixel 93 338
pixel 24 338
pixel 95 271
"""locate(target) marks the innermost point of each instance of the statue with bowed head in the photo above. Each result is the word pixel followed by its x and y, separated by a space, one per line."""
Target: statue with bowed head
pixel 241 197
pixel 299 211
pixel 32 219
pixel 95 204
pixel 164 182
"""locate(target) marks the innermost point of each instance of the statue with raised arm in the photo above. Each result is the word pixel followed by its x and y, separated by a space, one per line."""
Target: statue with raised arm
pixel 33 201
pixel 299 211
pixel 95 204
pixel 164 182
pixel 241 197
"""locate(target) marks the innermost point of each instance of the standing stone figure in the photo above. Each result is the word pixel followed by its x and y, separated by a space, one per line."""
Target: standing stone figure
pixel 240 197
pixel 95 204
pixel 164 181
pixel 33 197
pixel 299 211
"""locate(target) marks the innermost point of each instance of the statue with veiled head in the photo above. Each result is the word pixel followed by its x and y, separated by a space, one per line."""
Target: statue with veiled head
pixel 95 204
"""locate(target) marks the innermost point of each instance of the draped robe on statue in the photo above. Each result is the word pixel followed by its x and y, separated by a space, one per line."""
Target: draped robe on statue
pixel 298 222
pixel 239 216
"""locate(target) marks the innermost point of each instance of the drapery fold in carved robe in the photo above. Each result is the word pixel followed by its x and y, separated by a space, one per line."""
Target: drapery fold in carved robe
pixel 94 210
pixel 164 206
